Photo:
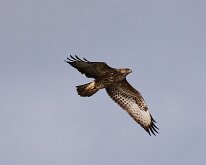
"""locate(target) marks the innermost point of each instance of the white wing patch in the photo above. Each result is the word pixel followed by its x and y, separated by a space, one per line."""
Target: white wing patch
pixel 142 116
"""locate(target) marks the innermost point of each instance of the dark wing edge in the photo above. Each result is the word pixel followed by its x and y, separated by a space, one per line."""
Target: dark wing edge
pixel 76 58
pixel 79 64
pixel 152 127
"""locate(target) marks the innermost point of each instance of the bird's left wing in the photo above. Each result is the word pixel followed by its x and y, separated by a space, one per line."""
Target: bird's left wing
pixel 131 100
pixel 90 69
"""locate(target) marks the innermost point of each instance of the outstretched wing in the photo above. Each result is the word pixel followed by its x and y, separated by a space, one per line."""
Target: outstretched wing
pixel 131 100
pixel 90 69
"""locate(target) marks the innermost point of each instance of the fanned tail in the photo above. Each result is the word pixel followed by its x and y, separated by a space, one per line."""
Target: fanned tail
pixel 86 90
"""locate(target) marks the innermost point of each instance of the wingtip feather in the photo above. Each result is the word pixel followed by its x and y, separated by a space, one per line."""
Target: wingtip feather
pixel 76 58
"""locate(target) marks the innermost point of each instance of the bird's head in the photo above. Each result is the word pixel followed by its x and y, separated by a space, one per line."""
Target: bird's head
pixel 125 71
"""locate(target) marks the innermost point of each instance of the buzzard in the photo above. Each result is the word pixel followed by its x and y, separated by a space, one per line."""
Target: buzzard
pixel 117 87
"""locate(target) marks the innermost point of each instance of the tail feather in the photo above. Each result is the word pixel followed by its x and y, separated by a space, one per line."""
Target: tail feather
pixel 86 90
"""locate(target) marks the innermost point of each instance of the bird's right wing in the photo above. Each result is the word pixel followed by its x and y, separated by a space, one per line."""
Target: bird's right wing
pixel 90 69
pixel 131 100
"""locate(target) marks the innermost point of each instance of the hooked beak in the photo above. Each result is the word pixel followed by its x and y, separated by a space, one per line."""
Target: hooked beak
pixel 125 71
pixel 130 71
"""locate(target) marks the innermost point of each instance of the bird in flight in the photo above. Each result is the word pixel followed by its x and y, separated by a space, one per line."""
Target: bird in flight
pixel 117 87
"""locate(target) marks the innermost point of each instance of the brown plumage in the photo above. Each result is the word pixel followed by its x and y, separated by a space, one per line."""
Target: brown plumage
pixel 117 87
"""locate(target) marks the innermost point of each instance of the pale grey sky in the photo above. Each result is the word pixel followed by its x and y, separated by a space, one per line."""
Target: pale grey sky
pixel 43 120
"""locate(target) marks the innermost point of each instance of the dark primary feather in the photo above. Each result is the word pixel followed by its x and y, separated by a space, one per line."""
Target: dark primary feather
pixel 90 69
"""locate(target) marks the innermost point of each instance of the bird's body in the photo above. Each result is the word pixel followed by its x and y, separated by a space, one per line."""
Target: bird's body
pixel 117 87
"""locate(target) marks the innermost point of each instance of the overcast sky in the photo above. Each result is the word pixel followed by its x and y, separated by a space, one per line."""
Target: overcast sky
pixel 42 119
